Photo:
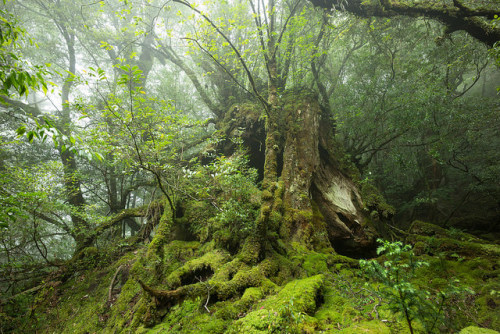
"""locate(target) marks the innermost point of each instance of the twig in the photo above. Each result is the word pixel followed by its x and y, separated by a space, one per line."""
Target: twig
pixel 208 292
pixel 110 291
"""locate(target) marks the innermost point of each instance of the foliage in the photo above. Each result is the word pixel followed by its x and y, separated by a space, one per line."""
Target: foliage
pixel 140 90
pixel 229 186
pixel 15 73
pixel 396 273
pixel 419 128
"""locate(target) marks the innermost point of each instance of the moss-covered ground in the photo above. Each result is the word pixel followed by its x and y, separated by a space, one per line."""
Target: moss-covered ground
pixel 198 288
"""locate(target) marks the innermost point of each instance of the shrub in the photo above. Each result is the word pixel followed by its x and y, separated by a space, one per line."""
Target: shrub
pixel 403 297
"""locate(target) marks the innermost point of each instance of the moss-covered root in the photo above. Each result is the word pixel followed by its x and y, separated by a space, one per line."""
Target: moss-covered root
pixel 284 311
pixel 477 330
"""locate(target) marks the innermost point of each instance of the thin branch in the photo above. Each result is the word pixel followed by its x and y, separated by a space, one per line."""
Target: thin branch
pixel 292 13
pixel 258 24
pixel 238 54
pixel 110 289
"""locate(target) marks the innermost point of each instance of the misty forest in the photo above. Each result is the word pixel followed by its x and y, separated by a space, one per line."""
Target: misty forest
pixel 250 166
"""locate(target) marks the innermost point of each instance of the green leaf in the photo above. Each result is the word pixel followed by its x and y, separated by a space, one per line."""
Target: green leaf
pixel 21 130
pixel 30 135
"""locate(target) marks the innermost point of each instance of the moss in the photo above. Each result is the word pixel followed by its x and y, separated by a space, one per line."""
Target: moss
pixel 178 250
pixel 373 199
pixel 211 260
pixel 295 298
pixel 304 291
pixel 315 263
pixel 371 327
pixel 162 233
pixel 81 302
pixel 250 250
pixel 440 244
pixel 267 195
pixel 477 330
pixel 426 229
pixel 275 220
pixel 245 277
pixel 234 309
pixel 265 210
pixel 88 257
pixel 189 317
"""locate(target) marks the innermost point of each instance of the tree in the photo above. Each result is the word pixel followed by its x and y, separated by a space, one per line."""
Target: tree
pixel 297 174
pixel 282 85
pixel 15 73
pixel 410 161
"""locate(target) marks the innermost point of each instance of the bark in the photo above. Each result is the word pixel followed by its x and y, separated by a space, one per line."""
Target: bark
pixel 455 15
pixel 322 205
pixel 71 180
pixel 307 196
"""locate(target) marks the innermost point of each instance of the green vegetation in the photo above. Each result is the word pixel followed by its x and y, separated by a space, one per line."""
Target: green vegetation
pixel 228 166
pixel 399 269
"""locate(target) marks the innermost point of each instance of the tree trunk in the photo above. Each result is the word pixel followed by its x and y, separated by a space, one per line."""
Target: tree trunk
pixel 308 197
pixel 322 206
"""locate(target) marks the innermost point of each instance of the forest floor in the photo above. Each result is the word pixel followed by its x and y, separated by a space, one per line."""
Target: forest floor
pixel 197 288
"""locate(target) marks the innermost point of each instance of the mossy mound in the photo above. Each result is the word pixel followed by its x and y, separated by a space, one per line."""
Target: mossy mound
pixel 190 287
pixel 477 330
pixel 473 262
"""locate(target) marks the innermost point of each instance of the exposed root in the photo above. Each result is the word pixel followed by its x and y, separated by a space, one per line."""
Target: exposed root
pixel 111 285
pixel 166 297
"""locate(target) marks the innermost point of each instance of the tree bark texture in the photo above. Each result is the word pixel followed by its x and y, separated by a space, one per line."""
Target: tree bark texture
pixel 306 196
pixel 321 203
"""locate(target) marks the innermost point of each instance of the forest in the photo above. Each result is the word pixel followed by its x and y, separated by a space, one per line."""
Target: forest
pixel 250 166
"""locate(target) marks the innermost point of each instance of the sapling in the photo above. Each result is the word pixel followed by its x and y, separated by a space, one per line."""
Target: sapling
pixel 403 297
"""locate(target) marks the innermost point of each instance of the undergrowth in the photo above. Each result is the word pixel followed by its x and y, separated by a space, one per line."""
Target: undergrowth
pixel 420 289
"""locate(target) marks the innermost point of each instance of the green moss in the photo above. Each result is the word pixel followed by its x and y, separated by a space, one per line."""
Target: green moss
pixel 250 250
pixel 211 260
pixel 371 327
pixel 266 195
pixel 315 263
pixel 277 311
pixel 189 317
pixel 373 199
pixel 265 210
pixel 426 229
pixel 245 277
pixel 477 330
pixel 82 303
pixel 439 243
pixel 275 220
pixel 303 292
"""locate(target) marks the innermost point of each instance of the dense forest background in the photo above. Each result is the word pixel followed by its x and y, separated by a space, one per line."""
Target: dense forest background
pixel 264 129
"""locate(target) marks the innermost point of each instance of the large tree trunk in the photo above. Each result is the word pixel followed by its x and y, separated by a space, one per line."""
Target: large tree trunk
pixel 307 196
pixel 321 204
